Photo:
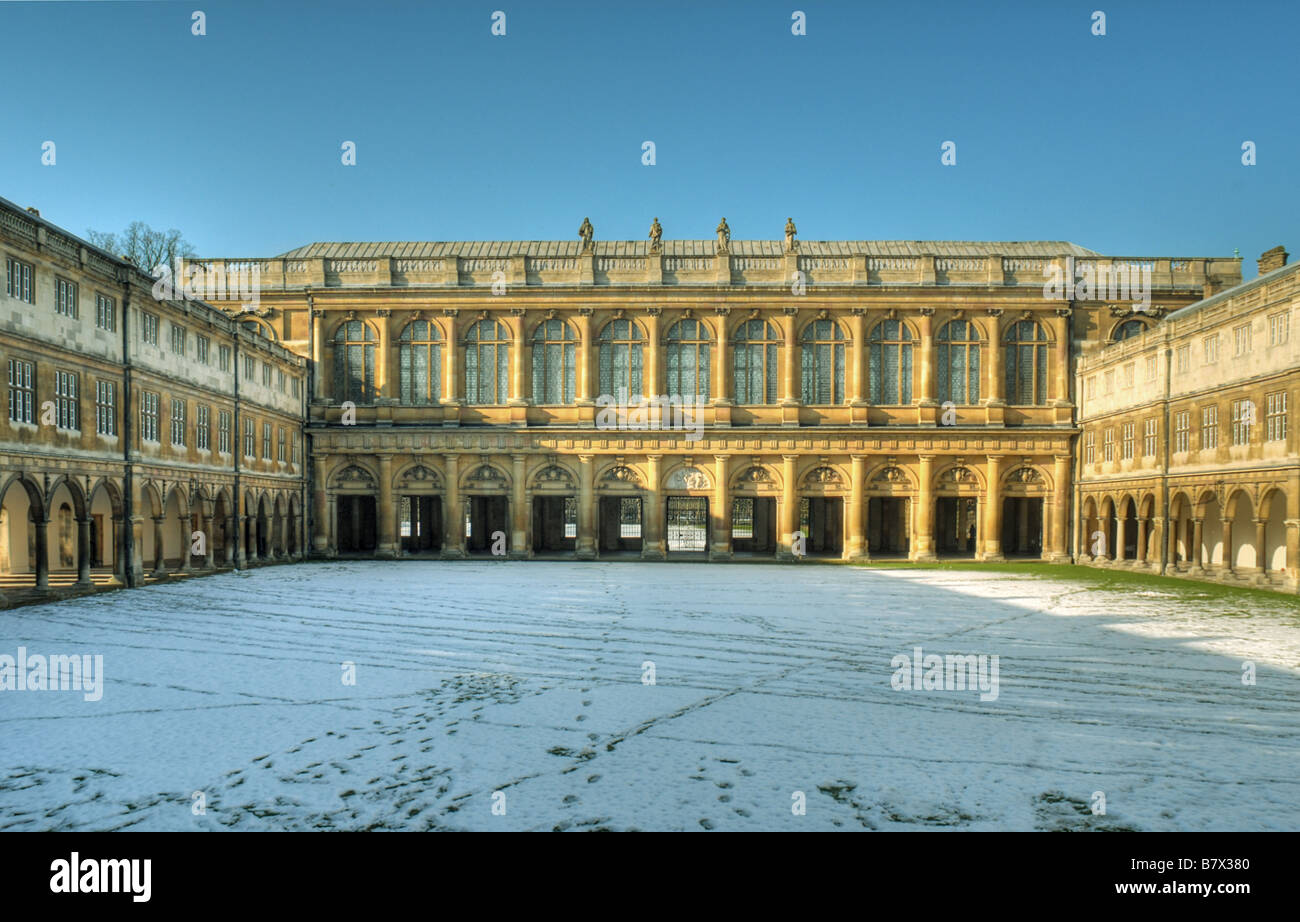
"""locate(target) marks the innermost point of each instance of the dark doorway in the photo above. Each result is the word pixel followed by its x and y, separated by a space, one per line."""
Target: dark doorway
pixel 955 526
pixel 419 524
pixel 1022 526
pixel 821 519
pixel 887 526
pixel 555 523
pixel 487 515
pixel 620 523
pixel 687 520
pixel 356 524
pixel 753 525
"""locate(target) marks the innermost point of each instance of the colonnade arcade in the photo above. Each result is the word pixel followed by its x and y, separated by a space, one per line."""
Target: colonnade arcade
pixel 589 505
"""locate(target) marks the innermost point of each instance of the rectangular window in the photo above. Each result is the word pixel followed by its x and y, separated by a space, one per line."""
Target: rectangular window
pixel 250 440
pixel 1126 445
pixel 1151 368
pixel 22 391
pixel 266 374
pixel 297 387
pixel 266 441
pixel 148 417
pixel 105 312
pixel 279 380
pixel 106 408
pixel 1209 428
pixel 201 348
pixel 1184 359
pixel 67 410
pixel 1275 417
pixel 1279 328
pixel 223 358
pixel 223 432
pixel 1129 370
pixel 178 339
pixel 1243 420
pixel 18 280
pixel 1089 447
pixel 249 367
pixel 1108 381
pixel 149 327
pixel 279 454
pixel 178 421
pixel 1182 431
pixel 65 298
pixel 1092 386
pixel 202 428
pixel 1241 339
pixel 297 459
pixel 1108 445
pixel 1149 430
pixel 1211 344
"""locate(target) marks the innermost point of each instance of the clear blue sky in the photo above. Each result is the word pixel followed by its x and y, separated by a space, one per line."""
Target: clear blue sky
pixel 1128 143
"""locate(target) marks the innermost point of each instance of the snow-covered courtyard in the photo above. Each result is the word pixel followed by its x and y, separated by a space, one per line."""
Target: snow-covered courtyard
pixel 501 695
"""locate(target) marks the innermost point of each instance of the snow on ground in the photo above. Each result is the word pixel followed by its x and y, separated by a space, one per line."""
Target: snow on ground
pixel 527 679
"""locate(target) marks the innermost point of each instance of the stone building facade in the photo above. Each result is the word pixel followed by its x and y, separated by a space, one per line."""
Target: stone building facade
pixel 1188 462
pixel 124 455
pixel 856 399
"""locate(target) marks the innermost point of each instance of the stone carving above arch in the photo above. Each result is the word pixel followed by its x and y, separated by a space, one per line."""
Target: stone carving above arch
pixel 959 474
pixel 824 475
pixel 485 475
pixel 354 477
pixel 688 478
pixel 1024 475
pixel 621 473
pixel 419 476
pixel 892 474
pixel 552 475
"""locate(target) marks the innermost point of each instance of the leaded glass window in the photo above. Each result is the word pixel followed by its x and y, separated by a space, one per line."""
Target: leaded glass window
pixel 823 363
pixel 687 356
pixel 487 363
pixel 354 362
pixel 958 363
pixel 891 363
pixel 420 363
pixel 555 363
pixel 1025 361
pixel 1129 329
pixel 754 362
pixel 621 343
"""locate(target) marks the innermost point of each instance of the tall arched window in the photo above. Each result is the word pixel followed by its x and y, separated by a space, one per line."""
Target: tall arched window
pixel 891 363
pixel 958 345
pixel 354 362
pixel 688 360
pixel 555 362
pixel 487 363
pixel 419 363
pixel 1129 329
pixel 823 363
pixel 754 362
pixel 1025 358
pixel 620 359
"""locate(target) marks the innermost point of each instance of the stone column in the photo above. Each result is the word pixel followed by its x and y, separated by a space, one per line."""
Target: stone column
pixel 1103 522
pixel 1261 536
pixel 1171 544
pixel 1061 332
pixel 209 549
pixel 789 506
pixel 1227 545
pixel 453 542
pixel 721 359
pixel 83 552
pixel 721 543
pixel 251 550
pixel 519 546
pixel 519 354
pixel 451 359
pixel 994 390
pixel 651 384
pixel 387 511
pixel 42 554
pixel 993 510
pixel 925 328
pixel 1059 551
pixel 320 539
pixel 383 368
pixel 652 516
pixel 159 558
pixel 856 547
pixel 586 544
pixel 790 394
pixel 586 349
pixel 186 525
pixel 1141 560
pixel 317 353
pixel 1198 560
pixel 923 540
pixel 857 356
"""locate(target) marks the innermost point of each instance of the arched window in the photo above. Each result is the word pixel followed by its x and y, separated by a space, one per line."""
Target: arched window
pixel 1025 358
pixel 823 363
pixel 1129 329
pixel 688 360
pixel 487 363
pixel 620 359
pixel 959 363
pixel 420 363
pixel 754 362
pixel 891 363
pixel 555 362
pixel 354 362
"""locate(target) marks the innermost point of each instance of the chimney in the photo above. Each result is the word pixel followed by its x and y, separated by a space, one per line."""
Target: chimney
pixel 1272 259
pixel 33 211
